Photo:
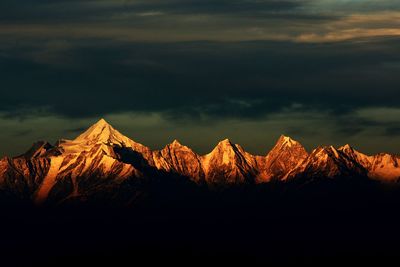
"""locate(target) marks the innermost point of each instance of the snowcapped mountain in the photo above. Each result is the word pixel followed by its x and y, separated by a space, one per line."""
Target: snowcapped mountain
pixel 383 166
pixel 228 163
pixel 104 134
pixel 179 159
pixel 65 169
pixel 284 157
pixel 103 160
pixel 327 162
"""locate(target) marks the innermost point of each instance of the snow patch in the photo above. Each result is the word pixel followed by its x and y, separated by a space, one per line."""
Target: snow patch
pixel 49 181
pixel 333 149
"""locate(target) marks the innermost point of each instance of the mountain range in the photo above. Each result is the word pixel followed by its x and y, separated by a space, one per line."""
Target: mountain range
pixel 103 161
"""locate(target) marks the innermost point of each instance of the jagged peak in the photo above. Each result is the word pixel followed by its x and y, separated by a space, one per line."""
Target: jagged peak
pixel 176 143
pixel 320 150
pixel 326 151
pixel 286 141
pixel 101 131
pixel 386 157
pixel 102 121
pixel 223 146
pixel 346 147
pixel 349 149
pixel 227 145
pixel 226 141
pixel 37 149
pixel 383 154
pixel 42 144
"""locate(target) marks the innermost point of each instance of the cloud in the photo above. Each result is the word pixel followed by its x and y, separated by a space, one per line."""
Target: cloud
pixel 155 26
pixel 161 21
pixel 197 80
pixel 354 26
pixel 194 20
pixel 381 114
pixel 393 131
pixel 28 11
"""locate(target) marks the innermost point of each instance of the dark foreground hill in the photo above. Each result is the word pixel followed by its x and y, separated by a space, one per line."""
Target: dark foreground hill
pixel 323 223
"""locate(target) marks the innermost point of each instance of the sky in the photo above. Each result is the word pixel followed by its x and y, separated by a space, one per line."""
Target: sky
pixel 321 71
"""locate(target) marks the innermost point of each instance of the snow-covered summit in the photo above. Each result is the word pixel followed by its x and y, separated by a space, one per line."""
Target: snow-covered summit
pixel 103 132
pixel 287 141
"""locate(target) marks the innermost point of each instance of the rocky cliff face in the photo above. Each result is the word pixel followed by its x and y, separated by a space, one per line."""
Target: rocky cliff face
pixel 327 162
pixel 102 159
pixel 228 163
pixel 383 166
pixel 179 159
pixel 22 176
pixel 286 155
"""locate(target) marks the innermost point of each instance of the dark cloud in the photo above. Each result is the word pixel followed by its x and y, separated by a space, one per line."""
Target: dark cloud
pixel 197 79
pixel 241 7
pixel 351 6
pixel 393 131
pixel 86 10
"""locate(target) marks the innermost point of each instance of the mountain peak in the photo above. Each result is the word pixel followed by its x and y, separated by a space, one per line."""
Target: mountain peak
pixel 102 132
pixel 102 122
pixel 325 152
pixel 286 141
pixel 346 148
pixel 284 156
pixel 39 149
pixel 224 147
pixel 225 142
pixel 176 143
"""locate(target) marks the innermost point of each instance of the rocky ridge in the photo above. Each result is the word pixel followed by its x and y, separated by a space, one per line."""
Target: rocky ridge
pixel 102 157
